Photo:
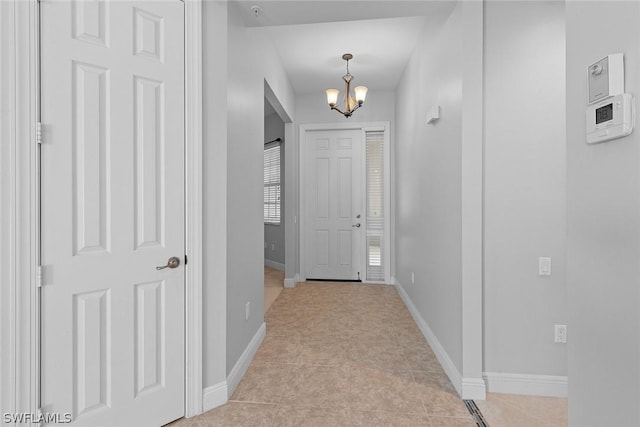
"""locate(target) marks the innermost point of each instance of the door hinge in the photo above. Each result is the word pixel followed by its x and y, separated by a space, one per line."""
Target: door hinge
pixel 185 259
pixel 39 279
pixel 39 133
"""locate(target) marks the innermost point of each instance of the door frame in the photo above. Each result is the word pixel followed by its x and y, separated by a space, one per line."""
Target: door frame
pixel 364 127
pixel 20 391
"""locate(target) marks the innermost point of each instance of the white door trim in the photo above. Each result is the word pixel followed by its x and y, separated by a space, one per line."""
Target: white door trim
pixel 194 207
pixel 19 331
pixel 19 246
pixel 363 126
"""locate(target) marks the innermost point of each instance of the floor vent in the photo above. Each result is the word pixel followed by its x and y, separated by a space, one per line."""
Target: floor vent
pixel 475 413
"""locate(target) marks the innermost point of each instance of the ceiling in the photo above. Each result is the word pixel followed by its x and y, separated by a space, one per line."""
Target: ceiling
pixel 310 37
pixel 268 108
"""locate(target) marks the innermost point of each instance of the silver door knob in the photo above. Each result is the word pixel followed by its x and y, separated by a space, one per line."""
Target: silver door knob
pixel 356 225
pixel 173 262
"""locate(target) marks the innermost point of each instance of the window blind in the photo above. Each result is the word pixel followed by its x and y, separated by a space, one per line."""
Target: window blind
pixel 272 183
pixel 375 204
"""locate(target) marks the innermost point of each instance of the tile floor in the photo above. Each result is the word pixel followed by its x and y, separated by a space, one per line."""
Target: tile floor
pixel 273 285
pixel 341 354
pixel 510 410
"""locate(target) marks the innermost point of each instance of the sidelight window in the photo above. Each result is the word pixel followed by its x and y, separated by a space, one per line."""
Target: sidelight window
pixel 375 204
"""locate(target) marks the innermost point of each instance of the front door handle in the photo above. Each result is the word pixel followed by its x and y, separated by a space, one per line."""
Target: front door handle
pixel 173 262
pixel 356 225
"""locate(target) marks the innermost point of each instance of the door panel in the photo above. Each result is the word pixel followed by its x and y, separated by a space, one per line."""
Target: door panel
pixel 322 248
pixel 149 336
pixel 334 199
pixel 344 190
pixel 321 205
pixel 112 108
pixel 149 162
pixel 91 179
pixel 92 339
pixel 345 251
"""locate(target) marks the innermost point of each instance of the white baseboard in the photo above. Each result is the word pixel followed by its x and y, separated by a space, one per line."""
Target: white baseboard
pixel 274 264
pixel 474 389
pixel 533 385
pixel 290 283
pixel 467 388
pixel 214 396
pixel 239 369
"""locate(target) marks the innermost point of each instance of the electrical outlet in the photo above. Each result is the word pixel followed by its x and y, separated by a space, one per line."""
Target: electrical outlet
pixel 273 246
pixel 265 245
pixel 544 266
pixel 561 334
pixel 247 310
pixel 413 278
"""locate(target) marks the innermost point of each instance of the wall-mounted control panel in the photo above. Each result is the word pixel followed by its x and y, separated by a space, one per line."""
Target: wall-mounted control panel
pixel 606 77
pixel 611 113
pixel 611 118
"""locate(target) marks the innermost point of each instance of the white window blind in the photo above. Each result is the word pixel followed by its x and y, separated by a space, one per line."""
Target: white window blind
pixel 375 204
pixel 272 183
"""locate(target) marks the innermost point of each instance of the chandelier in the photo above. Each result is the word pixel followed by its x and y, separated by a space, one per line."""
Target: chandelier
pixel 351 103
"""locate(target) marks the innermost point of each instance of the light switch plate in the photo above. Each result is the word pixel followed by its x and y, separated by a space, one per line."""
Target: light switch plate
pixel 544 266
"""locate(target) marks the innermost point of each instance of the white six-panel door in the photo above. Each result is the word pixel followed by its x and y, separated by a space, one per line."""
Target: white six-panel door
pixel 334 200
pixel 112 108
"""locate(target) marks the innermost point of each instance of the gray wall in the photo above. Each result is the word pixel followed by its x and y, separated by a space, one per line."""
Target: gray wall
pixel 524 192
pixel 428 183
pixel 603 246
pixel 438 170
pixel 215 190
pixel 237 62
pixel 274 234
pixel 245 271
pixel 252 60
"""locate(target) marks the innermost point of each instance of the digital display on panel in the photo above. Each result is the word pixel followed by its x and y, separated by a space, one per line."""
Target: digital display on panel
pixel 604 114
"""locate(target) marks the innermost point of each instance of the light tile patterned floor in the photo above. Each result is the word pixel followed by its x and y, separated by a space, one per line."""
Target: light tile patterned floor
pixel 508 410
pixel 273 285
pixel 339 354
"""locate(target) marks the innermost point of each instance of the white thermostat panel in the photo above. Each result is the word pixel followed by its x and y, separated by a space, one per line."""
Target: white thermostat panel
pixel 611 118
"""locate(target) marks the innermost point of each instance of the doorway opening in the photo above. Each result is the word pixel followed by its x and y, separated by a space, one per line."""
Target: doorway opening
pixel 278 197
pixel 274 185
pixel 24 320
pixel 344 202
pixel 112 203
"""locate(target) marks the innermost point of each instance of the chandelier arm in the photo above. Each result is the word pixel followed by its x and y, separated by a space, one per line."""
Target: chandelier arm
pixel 338 110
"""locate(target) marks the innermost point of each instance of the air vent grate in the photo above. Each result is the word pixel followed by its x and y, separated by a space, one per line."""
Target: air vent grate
pixel 475 413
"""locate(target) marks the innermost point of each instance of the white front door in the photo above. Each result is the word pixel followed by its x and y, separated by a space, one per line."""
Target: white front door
pixel 334 205
pixel 112 108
